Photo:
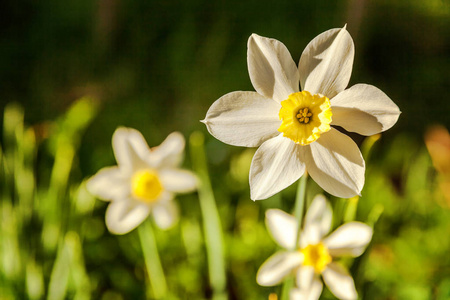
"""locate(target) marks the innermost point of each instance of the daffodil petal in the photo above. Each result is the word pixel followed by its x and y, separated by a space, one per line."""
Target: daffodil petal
pixel 326 63
pixel 124 216
pixel 169 153
pixel 178 181
pixel 313 293
pixel 130 149
pixel 271 68
pixel 109 184
pixel 305 276
pixel 276 267
pixel 276 165
pixel 318 215
pixel 339 282
pixel 336 164
pixel 165 214
pixel 243 119
pixel 364 109
pixel 283 228
pixel 349 239
pixel 310 235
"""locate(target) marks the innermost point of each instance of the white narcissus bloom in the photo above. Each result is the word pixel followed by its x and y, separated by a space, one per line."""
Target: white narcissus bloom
pixel 293 128
pixel 143 181
pixel 315 252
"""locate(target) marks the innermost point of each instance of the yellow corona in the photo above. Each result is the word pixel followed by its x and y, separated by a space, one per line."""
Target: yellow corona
pixel 305 117
pixel 145 185
pixel 316 256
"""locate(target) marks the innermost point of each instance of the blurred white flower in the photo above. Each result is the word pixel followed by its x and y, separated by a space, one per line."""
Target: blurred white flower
pixel 143 181
pixel 314 254
pixel 294 129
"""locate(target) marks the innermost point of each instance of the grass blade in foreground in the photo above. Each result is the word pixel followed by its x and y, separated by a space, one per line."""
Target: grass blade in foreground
pixel 211 220
pixel 298 213
pixel 152 261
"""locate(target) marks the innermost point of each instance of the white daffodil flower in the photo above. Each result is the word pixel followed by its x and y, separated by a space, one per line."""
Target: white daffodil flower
pixel 293 128
pixel 315 252
pixel 143 181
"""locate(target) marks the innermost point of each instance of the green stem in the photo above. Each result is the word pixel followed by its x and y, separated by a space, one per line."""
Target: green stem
pixel 300 201
pixel 211 221
pixel 286 288
pixel 298 213
pixel 152 261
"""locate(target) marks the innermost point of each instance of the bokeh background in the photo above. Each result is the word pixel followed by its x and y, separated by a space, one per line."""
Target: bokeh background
pixel 157 66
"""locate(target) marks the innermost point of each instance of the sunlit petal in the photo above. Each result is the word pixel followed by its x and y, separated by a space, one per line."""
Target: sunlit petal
pixel 178 181
pixel 275 166
pixel 109 184
pixel 169 153
pixel 318 215
pixel 326 63
pixel 305 276
pixel 364 109
pixel 349 239
pixel 339 282
pixel 124 216
pixel 283 228
pixel 243 119
pixel 336 164
pixel 272 70
pixel 165 214
pixel 276 267
pixel 130 149
pixel 312 293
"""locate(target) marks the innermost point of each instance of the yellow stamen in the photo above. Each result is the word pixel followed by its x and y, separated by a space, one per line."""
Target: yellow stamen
pixel 316 256
pixel 305 117
pixel 145 185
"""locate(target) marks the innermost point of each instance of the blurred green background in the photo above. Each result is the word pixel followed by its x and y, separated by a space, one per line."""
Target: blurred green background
pixel 157 66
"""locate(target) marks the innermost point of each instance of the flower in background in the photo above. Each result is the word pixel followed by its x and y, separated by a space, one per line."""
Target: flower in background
pixel 143 181
pixel 314 254
pixel 294 129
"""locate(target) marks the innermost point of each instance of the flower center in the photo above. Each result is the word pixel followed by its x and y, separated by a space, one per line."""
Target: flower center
pixel 316 256
pixel 305 117
pixel 145 185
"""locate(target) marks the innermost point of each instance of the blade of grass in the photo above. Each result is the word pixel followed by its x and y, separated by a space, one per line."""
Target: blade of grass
pixel 298 213
pixel 152 262
pixel 211 221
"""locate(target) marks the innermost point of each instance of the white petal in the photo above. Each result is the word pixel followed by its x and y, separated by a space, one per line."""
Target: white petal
pixel 278 266
pixel 336 164
pixel 349 239
pixel 165 214
pixel 169 153
pixel 271 68
pixel 275 166
pixel 109 184
pixel 243 119
pixel 124 216
pixel 319 215
pixel 364 109
pixel 283 228
pixel 177 180
pixel 305 276
pixel 339 282
pixel 313 293
pixel 130 149
pixel 326 63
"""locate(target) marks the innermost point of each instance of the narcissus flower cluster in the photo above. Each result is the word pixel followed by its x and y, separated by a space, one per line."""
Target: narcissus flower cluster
pixel 143 181
pixel 314 253
pixel 295 128
pixel 293 117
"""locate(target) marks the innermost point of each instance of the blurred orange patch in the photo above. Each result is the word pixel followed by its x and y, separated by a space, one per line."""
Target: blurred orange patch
pixel 437 140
